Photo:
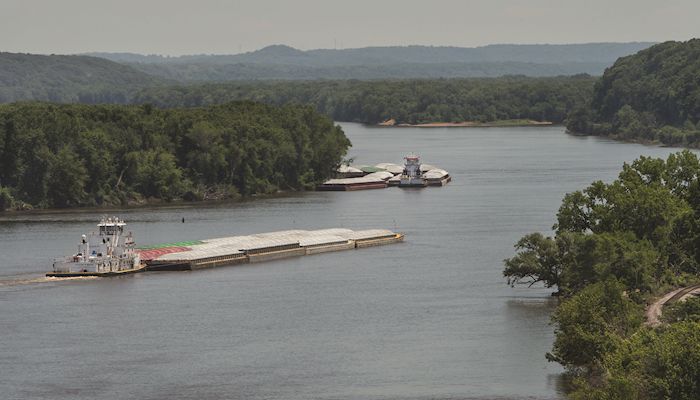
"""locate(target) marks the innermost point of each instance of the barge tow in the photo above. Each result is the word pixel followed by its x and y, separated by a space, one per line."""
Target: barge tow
pixel 110 252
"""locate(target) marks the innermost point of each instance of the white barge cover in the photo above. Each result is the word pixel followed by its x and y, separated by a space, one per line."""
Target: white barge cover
pixel 393 168
pixel 435 174
pixel 233 245
pixel 354 181
pixel 383 175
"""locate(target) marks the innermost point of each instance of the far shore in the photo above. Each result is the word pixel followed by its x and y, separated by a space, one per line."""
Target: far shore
pixel 10 215
pixel 468 124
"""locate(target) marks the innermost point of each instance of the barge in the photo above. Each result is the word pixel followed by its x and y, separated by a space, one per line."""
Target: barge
pixel 348 184
pixel 413 174
pixel 263 247
pixel 110 252
pixel 437 177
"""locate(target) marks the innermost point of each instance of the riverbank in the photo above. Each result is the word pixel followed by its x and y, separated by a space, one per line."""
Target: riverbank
pixel 155 204
pixel 666 136
pixel 470 124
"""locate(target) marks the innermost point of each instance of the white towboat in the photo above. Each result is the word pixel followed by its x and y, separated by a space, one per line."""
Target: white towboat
pixel 109 251
pixel 411 175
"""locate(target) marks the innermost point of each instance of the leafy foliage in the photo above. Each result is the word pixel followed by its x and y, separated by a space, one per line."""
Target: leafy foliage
pixel 653 95
pixel 71 155
pixel 650 364
pixel 591 323
pixel 90 80
pixel 538 260
pixel 61 78
pixel 6 199
pixel 251 71
pixel 615 245
pixel 406 101
pixel 688 310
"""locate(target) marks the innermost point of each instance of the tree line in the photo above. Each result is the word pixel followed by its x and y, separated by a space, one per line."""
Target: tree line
pixel 651 96
pixel 62 155
pixel 90 80
pixel 617 246
pixel 406 101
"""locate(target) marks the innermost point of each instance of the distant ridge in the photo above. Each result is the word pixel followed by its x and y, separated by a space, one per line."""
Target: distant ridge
pixel 280 50
pixel 285 62
pixel 528 53
pixel 116 77
pixel 67 78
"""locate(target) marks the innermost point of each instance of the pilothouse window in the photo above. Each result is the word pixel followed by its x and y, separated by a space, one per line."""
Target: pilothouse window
pixel 110 230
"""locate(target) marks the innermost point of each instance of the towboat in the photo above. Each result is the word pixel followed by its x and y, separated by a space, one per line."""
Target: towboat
pixel 109 251
pixel 411 175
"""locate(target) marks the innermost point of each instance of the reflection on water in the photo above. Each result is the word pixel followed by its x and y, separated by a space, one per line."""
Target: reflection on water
pixel 430 318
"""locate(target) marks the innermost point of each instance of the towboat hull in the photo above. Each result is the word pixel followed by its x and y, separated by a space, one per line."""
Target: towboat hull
pixel 75 274
pixel 413 183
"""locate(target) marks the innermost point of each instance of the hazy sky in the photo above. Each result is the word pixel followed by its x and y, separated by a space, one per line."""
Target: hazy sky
pixel 217 26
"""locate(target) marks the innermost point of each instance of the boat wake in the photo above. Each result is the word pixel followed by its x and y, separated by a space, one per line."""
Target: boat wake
pixel 19 281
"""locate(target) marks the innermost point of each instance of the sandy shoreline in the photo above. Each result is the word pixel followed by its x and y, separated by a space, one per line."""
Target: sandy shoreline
pixel 467 124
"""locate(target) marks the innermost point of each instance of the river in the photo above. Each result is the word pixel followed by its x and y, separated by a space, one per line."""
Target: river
pixel 429 318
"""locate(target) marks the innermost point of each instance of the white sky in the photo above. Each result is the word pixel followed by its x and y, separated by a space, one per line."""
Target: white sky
pixel 224 27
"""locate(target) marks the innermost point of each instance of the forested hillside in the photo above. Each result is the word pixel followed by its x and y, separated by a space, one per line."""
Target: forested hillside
pixel 617 246
pixel 68 79
pixel 74 79
pixel 82 79
pixel 284 62
pixel 70 155
pixel 653 95
pixel 406 101
pixel 206 72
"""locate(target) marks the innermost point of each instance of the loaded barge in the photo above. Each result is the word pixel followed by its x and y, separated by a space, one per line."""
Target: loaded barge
pixel 262 247
pixel 103 255
pixel 413 174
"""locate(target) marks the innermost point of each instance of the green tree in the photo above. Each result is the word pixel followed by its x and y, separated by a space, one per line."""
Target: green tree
pixel 99 155
pixel 688 310
pixel 33 171
pixel 591 323
pixel 206 155
pixel 638 201
pixel 6 199
pixel 652 364
pixel 538 259
pixel 154 173
pixel 66 182
pixel 616 244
